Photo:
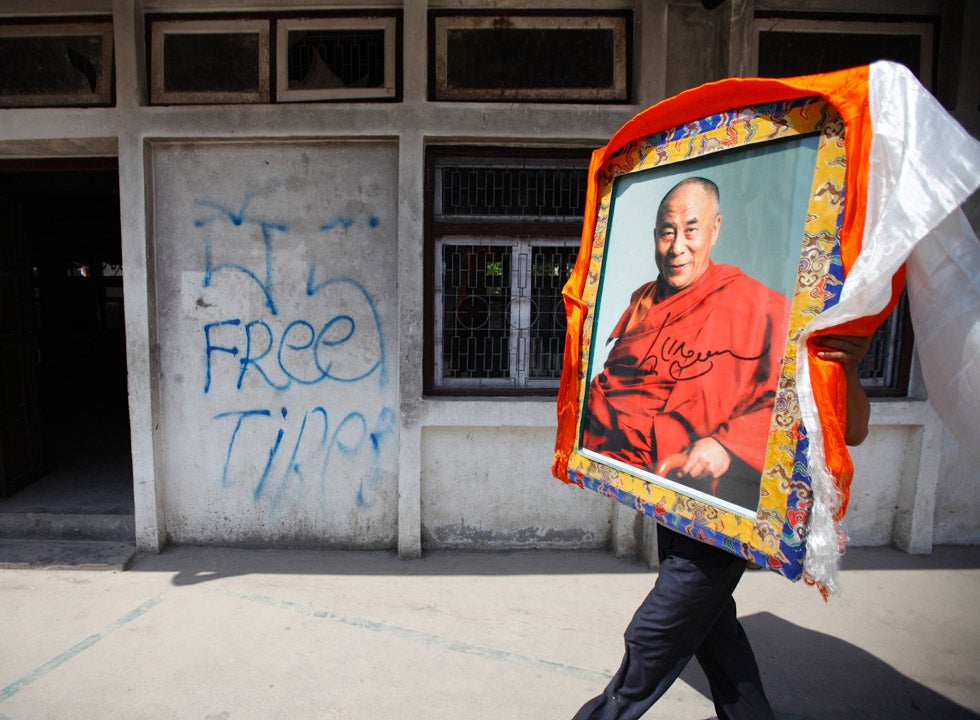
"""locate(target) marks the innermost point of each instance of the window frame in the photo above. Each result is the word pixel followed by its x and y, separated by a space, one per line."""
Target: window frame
pixel 159 29
pixel 519 336
pixel 441 22
pixel 484 230
pixel 388 24
pixel 898 364
pixel 102 95
pixel 920 27
pixel 273 85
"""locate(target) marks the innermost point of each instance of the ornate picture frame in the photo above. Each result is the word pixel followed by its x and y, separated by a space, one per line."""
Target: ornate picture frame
pixel 780 168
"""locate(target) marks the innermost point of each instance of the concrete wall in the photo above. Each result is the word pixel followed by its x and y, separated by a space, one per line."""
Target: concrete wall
pixel 485 486
pixel 277 296
pixel 334 192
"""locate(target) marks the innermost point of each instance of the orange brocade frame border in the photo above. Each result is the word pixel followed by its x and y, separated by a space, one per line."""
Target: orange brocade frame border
pixel 775 536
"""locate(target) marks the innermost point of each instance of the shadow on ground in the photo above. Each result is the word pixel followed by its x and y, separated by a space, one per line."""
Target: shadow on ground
pixel 812 676
pixel 193 565
pixel 200 564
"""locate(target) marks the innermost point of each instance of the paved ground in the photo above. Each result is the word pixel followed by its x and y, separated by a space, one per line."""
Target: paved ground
pixel 219 633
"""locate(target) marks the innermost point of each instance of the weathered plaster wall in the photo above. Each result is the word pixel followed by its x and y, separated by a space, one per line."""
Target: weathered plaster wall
pixel 460 472
pixel 693 46
pixel 277 298
pixel 882 471
pixel 491 487
pixel 956 513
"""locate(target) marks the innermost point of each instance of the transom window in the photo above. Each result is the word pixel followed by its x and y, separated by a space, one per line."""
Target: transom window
pixel 274 57
pixel 529 56
pixel 503 237
pixel 44 63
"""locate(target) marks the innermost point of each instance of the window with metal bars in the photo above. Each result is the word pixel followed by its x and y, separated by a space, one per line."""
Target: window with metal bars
pixel 788 44
pixel 502 320
pixel 885 369
pixel 355 58
pixel 503 237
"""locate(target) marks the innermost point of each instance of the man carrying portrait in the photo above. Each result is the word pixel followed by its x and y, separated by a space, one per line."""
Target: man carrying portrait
pixel 690 382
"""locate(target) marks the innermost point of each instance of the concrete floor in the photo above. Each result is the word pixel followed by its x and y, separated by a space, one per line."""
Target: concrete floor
pixel 229 633
pixel 79 514
pixel 92 476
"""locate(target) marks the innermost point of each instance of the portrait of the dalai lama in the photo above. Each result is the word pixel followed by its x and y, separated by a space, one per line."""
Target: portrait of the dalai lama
pixel 688 385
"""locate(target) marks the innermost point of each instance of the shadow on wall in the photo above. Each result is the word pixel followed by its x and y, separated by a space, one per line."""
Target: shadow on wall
pixel 812 676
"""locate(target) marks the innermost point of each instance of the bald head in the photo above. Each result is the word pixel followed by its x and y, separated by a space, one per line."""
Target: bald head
pixel 706 186
pixel 688 222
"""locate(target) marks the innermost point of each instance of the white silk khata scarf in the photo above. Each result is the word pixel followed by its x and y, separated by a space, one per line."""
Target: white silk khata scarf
pixel 922 166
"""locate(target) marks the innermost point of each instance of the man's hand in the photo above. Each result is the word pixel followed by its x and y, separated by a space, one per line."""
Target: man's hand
pixel 849 351
pixel 706 458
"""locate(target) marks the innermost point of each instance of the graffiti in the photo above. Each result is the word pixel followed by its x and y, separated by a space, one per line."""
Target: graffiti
pixel 238 219
pixel 300 352
pixel 316 442
pixel 335 339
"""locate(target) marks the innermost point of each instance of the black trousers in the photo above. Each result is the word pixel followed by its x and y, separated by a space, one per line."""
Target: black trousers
pixel 689 612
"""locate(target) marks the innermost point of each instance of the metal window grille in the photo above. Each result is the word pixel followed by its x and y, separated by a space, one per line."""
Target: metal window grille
pixel 476 311
pixel 881 367
pixel 474 191
pixel 550 267
pixel 501 321
pixel 505 239
pixel 356 58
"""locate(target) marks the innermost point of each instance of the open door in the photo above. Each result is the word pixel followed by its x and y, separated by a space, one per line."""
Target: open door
pixel 20 421
pixel 64 415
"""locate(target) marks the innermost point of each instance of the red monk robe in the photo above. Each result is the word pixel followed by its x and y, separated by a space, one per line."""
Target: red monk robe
pixel 703 362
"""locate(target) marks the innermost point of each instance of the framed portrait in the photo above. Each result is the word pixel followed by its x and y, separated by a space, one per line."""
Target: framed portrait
pixel 724 229
pixel 714 244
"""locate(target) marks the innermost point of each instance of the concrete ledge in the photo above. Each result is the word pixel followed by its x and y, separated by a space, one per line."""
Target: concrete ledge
pixel 65 554
pixel 67 526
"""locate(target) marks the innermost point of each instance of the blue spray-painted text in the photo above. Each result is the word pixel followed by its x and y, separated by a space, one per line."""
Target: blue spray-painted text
pixel 292 446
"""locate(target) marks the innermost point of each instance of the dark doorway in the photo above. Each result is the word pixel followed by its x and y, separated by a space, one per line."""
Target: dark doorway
pixel 65 412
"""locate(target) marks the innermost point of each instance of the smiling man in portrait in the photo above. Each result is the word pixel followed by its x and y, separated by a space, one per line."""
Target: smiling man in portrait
pixel 687 389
